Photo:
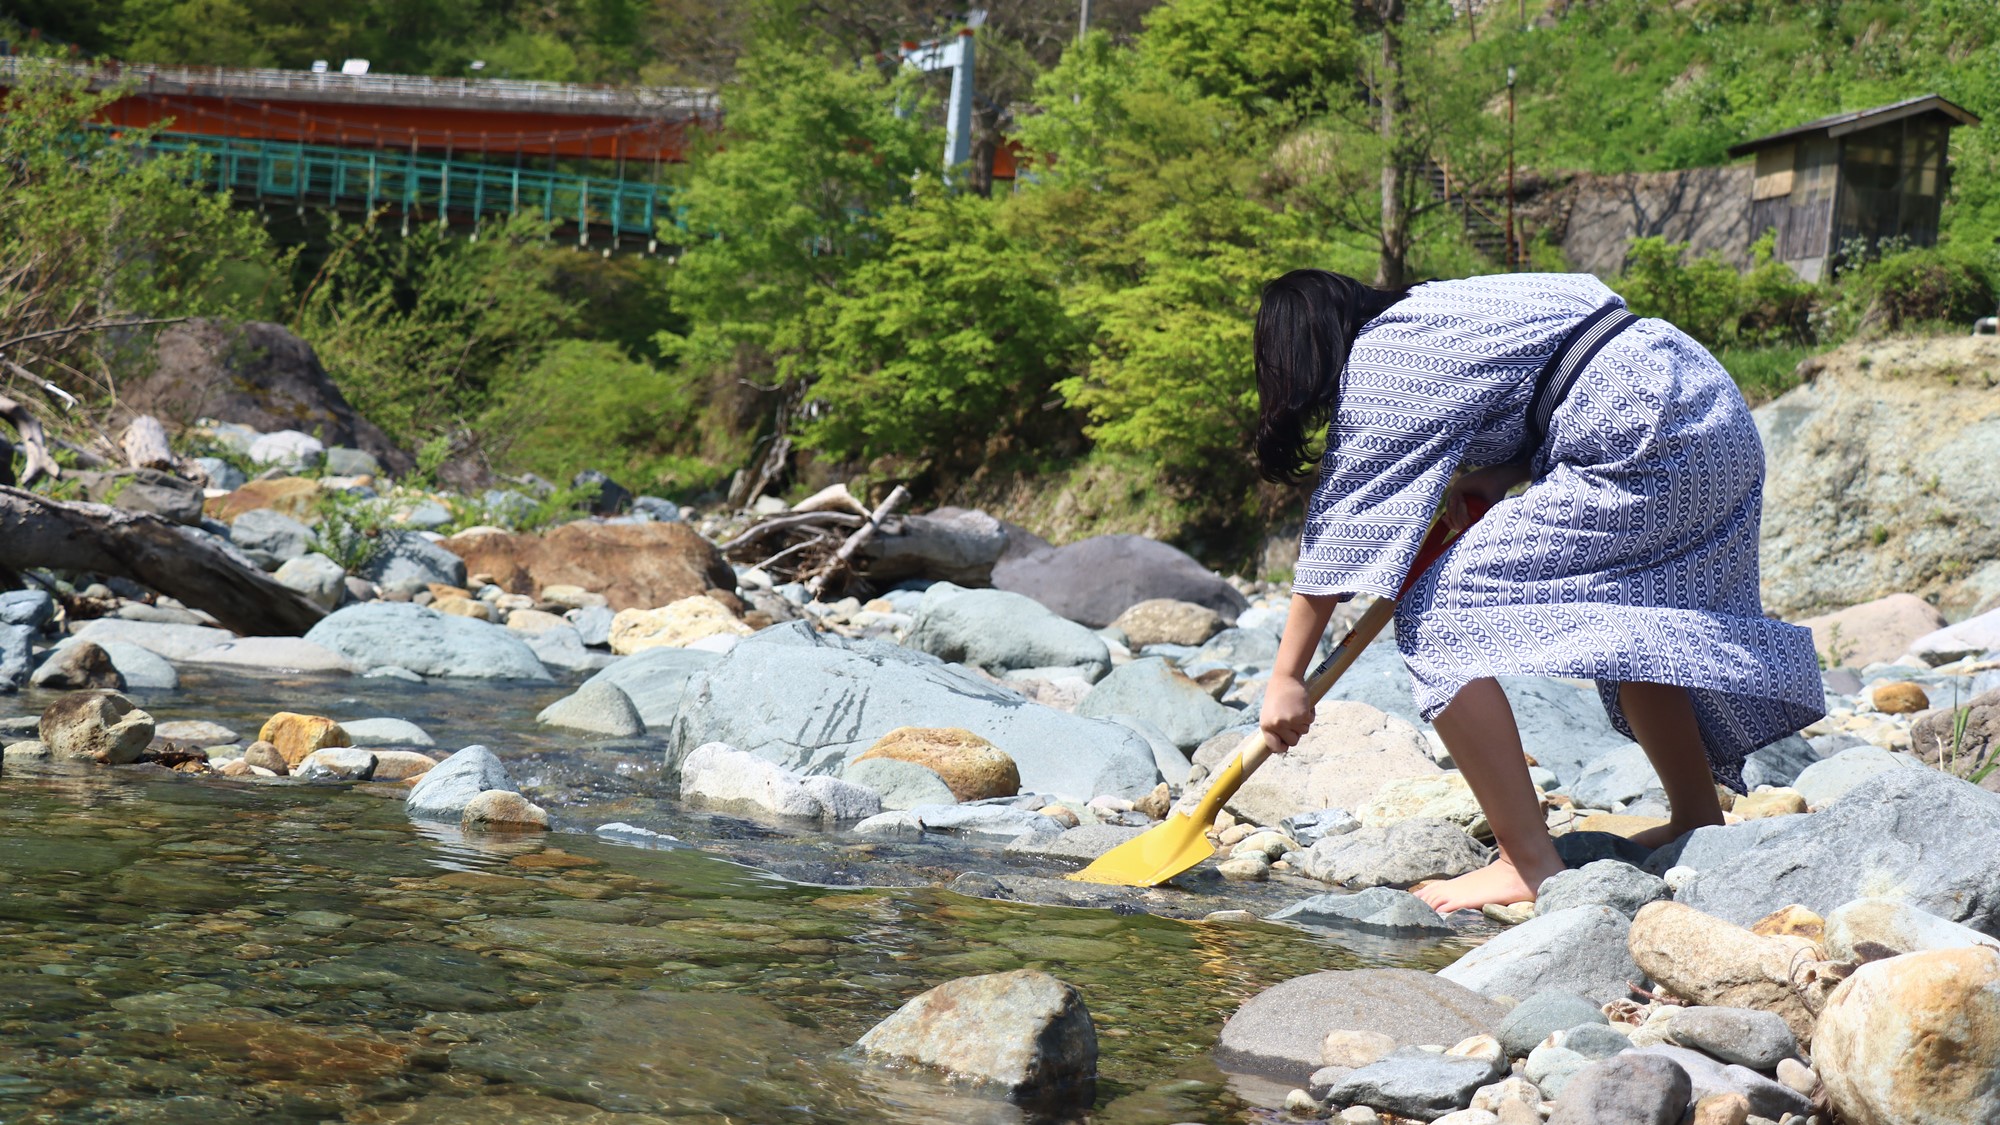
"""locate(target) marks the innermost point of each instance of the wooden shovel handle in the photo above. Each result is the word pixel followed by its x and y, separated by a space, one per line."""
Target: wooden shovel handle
pixel 1255 749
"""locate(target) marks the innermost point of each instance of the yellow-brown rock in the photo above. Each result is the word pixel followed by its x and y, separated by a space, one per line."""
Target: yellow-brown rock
pixel 401 765
pixel 1702 958
pixel 1914 1040
pixel 1618 824
pixel 292 496
pixel 464 607
pixel 534 621
pixel 1722 1109
pixel 1899 698
pixel 1791 921
pixel 972 768
pixel 263 755
pixel 1164 621
pixel 443 590
pixel 1773 802
pixel 501 810
pixel 295 736
pixel 673 626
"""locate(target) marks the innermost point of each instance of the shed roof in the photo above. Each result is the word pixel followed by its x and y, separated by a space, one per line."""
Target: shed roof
pixel 1841 124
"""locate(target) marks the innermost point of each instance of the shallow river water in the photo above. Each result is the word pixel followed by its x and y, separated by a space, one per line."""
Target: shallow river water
pixel 210 952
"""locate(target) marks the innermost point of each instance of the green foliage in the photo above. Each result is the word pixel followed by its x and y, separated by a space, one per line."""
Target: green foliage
pixel 1706 298
pixel 781 215
pixel 421 331
pixel 1909 288
pixel 1245 52
pixel 587 402
pixel 347 527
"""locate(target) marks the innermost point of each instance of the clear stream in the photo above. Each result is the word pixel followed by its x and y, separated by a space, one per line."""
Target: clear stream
pixel 191 950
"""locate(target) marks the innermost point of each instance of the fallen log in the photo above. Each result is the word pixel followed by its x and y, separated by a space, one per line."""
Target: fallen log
pixel 179 562
pixel 145 445
pixel 833 566
pixel 34 445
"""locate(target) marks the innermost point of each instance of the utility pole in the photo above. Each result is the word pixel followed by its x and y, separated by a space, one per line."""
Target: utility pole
pixel 1083 19
pixel 955 56
pixel 1513 258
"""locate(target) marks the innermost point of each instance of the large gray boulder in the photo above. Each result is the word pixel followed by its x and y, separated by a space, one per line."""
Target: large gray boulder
pixel 1375 909
pixel 1160 693
pixel 407 561
pixel 319 578
pixel 1580 950
pixel 812 703
pixel 1000 632
pixel 654 679
pixel 1607 882
pixel 596 707
pixel 16 656
pixel 1352 751
pixel 270 536
pixel 1095 580
pixel 1024 1032
pixel 142 669
pixel 32 608
pixel 175 642
pixel 1277 1033
pixel 446 788
pixel 1926 834
pixel 426 642
pixel 1630 1089
pixel 1412 1082
pixel 1406 852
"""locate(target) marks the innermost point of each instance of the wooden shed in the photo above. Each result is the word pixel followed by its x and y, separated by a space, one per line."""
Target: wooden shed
pixel 1865 176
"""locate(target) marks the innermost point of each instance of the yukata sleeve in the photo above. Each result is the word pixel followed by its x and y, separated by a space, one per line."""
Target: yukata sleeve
pixel 1391 452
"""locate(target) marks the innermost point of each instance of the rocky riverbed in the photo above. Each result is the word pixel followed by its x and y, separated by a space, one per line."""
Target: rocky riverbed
pixel 585 701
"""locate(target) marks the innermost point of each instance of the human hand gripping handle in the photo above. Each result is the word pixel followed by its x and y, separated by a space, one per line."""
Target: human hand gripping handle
pixel 1442 535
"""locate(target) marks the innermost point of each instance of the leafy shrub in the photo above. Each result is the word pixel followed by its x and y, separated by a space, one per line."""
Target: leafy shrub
pixel 1912 287
pixel 1706 298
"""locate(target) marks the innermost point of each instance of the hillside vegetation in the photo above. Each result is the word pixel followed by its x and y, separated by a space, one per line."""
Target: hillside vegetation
pixel 1073 350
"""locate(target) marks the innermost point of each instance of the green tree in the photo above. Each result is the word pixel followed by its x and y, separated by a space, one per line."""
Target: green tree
pixel 953 334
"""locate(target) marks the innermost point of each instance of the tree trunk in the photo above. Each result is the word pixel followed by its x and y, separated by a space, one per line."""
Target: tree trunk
pixel 1392 269
pixel 36 531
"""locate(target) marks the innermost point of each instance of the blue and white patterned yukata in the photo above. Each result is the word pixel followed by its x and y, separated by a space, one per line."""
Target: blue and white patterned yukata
pixel 1632 555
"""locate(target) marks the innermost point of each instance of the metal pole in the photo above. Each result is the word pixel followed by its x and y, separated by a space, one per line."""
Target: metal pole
pixel 1513 259
pixel 958 123
pixel 1083 20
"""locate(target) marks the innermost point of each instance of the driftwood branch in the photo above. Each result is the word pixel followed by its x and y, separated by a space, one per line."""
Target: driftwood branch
pixel 36 531
pixel 34 443
pixel 856 541
pixel 145 445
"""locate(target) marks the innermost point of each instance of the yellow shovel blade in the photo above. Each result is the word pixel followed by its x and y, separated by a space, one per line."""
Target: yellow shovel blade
pixel 1170 847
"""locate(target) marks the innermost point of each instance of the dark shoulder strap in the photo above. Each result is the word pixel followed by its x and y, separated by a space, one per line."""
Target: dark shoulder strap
pixel 1552 383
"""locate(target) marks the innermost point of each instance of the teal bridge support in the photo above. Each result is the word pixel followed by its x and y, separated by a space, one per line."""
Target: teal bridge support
pixel 419 186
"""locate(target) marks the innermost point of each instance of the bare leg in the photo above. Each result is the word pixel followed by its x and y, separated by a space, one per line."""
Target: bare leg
pixel 1478 728
pixel 1662 719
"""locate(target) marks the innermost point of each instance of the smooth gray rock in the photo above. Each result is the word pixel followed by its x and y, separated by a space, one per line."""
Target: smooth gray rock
pixel 655 679
pixel 1595 1040
pixel 1551 1067
pixel 1171 760
pixel 1240 648
pixel 1628 1089
pixel 1084 842
pixel 902 785
pixel 1925 833
pixel 1000 632
pixel 593 625
pixel 1094 580
pixel 813 702
pixel 260 655
pixel 143 669
pixel 32 608
pixel 221 474
pixel 1415 1083
pixel 998 823
pixel 1618 777
pixel 1377 908
pixel 444 791
pixel 896 824
pixel 724 777
pixel 336 763
pixel 1406 852
pixel 1309 828
pixel 270 536
pixel 1890 924
pixel 1543 1014
pixel 386 732
pixel 562 648
pixel 1707 1076
pixel 426 642
pixel 1823 783
pixel 175 642
pixel 16 655
pixel 1581 950
pixel 408 561
pixel 344 462
pixel 164 494
pixel 1779 763
pixel 597 707
pixel 1277 1033
pixel 319 578
pixel 1022 1031
pixel 289 448
pixel 1607 882
pixel 1155 690
pixel 1744 1036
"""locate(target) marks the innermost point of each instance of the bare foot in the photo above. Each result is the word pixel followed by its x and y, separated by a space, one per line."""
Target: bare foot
pixel 1499 883
pixel 1655 838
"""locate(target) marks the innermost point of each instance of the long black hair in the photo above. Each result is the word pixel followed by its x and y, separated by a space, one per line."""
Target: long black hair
pixel 1305 327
